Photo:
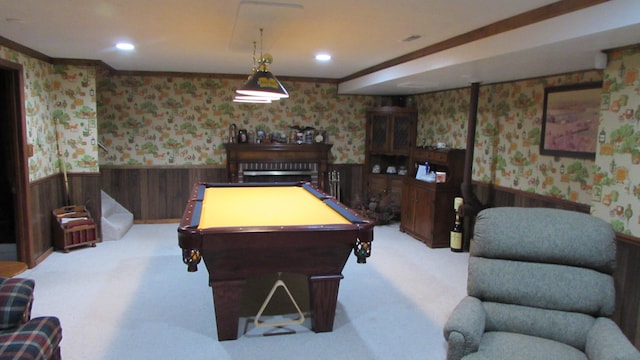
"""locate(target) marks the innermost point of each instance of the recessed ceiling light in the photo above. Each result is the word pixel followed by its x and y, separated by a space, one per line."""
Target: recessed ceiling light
pixel 323 57
pixel 421 84
pixel 125 46
pixel 14 20
pixel 411 38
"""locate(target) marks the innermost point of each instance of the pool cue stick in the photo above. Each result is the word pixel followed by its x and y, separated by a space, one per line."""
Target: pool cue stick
pixel 63 166
pixel 104 148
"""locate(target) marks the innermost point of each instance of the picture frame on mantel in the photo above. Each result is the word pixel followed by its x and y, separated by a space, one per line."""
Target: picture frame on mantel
pixel 570 120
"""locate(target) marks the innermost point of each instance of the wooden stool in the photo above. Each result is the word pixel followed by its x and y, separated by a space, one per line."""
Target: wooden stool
pixel 11 268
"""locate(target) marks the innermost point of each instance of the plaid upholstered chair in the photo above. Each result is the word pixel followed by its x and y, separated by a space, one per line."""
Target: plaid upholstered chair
pixel 539 286
pixel 20 336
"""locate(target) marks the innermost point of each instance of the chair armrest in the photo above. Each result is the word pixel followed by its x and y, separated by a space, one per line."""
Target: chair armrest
pixel 16 296
pixel 605 340
pixel 38 339
pixel 464 328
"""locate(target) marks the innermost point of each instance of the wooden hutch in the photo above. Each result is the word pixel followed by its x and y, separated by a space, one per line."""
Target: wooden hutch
pixel 390 136
pixel 427 207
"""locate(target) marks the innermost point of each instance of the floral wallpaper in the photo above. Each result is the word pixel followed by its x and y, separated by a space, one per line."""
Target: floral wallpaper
pixel 60 93
pixel 616 175
pixel 443 117
pixel 184 120
pixel 74 115
pixel 153 120
pixel 40 131
pixel 507 136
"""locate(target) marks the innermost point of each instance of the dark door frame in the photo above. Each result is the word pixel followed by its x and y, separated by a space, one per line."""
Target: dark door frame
pixel 13 76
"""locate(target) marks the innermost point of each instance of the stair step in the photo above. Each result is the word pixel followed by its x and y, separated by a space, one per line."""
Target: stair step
pixel 116 219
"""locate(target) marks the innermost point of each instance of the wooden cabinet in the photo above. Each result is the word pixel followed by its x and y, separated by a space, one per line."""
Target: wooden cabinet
pixel 427 207
pixel 383 184
pixel 390 136
pixel 417 204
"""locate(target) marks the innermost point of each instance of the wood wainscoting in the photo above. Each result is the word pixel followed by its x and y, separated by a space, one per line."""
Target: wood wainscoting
pixel 627 279
pixel 155 194
pixel 48 194
pixel 627 276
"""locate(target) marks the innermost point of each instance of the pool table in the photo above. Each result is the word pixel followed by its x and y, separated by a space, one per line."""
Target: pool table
pixel 242 230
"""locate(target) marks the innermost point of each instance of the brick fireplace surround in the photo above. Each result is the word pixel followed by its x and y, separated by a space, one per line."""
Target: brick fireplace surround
pixel 289 162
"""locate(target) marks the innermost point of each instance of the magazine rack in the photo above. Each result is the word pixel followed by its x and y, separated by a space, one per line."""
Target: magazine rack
pixel 73 226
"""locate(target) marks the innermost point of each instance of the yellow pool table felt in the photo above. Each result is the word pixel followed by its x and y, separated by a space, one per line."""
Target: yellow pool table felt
pixel 265 206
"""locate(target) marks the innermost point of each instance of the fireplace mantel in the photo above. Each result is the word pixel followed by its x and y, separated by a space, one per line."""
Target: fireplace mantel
pixel 238 154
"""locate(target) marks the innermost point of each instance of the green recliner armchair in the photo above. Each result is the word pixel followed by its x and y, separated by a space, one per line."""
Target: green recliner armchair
pixel 540 286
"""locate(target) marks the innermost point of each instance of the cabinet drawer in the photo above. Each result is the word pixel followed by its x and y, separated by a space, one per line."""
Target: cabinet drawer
pixel 437 157
pixel 395 189
pixel 377 184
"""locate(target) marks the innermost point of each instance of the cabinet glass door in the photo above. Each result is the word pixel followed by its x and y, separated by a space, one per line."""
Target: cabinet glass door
pixel 401 131
pixel 379 130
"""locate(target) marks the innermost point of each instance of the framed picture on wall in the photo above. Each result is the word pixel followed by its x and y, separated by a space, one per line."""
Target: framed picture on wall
pixel 570 120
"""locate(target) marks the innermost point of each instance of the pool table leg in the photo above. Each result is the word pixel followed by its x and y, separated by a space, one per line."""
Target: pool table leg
pixel 323 291
pixel 227 296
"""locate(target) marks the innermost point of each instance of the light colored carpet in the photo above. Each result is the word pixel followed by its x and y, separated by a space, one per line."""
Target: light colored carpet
pixel 134 299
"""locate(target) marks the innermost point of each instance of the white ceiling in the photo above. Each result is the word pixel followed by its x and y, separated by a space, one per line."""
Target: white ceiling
pixel 216 36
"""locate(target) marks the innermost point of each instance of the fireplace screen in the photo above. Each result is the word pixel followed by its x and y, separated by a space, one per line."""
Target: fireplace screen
pixel 278 172
pixel 277 175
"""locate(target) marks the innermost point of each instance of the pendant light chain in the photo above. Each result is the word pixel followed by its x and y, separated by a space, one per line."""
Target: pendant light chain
pixel 262 86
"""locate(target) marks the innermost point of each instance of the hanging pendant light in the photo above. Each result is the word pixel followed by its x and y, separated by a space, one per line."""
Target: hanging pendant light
pixel 252 99
pixel 262 83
